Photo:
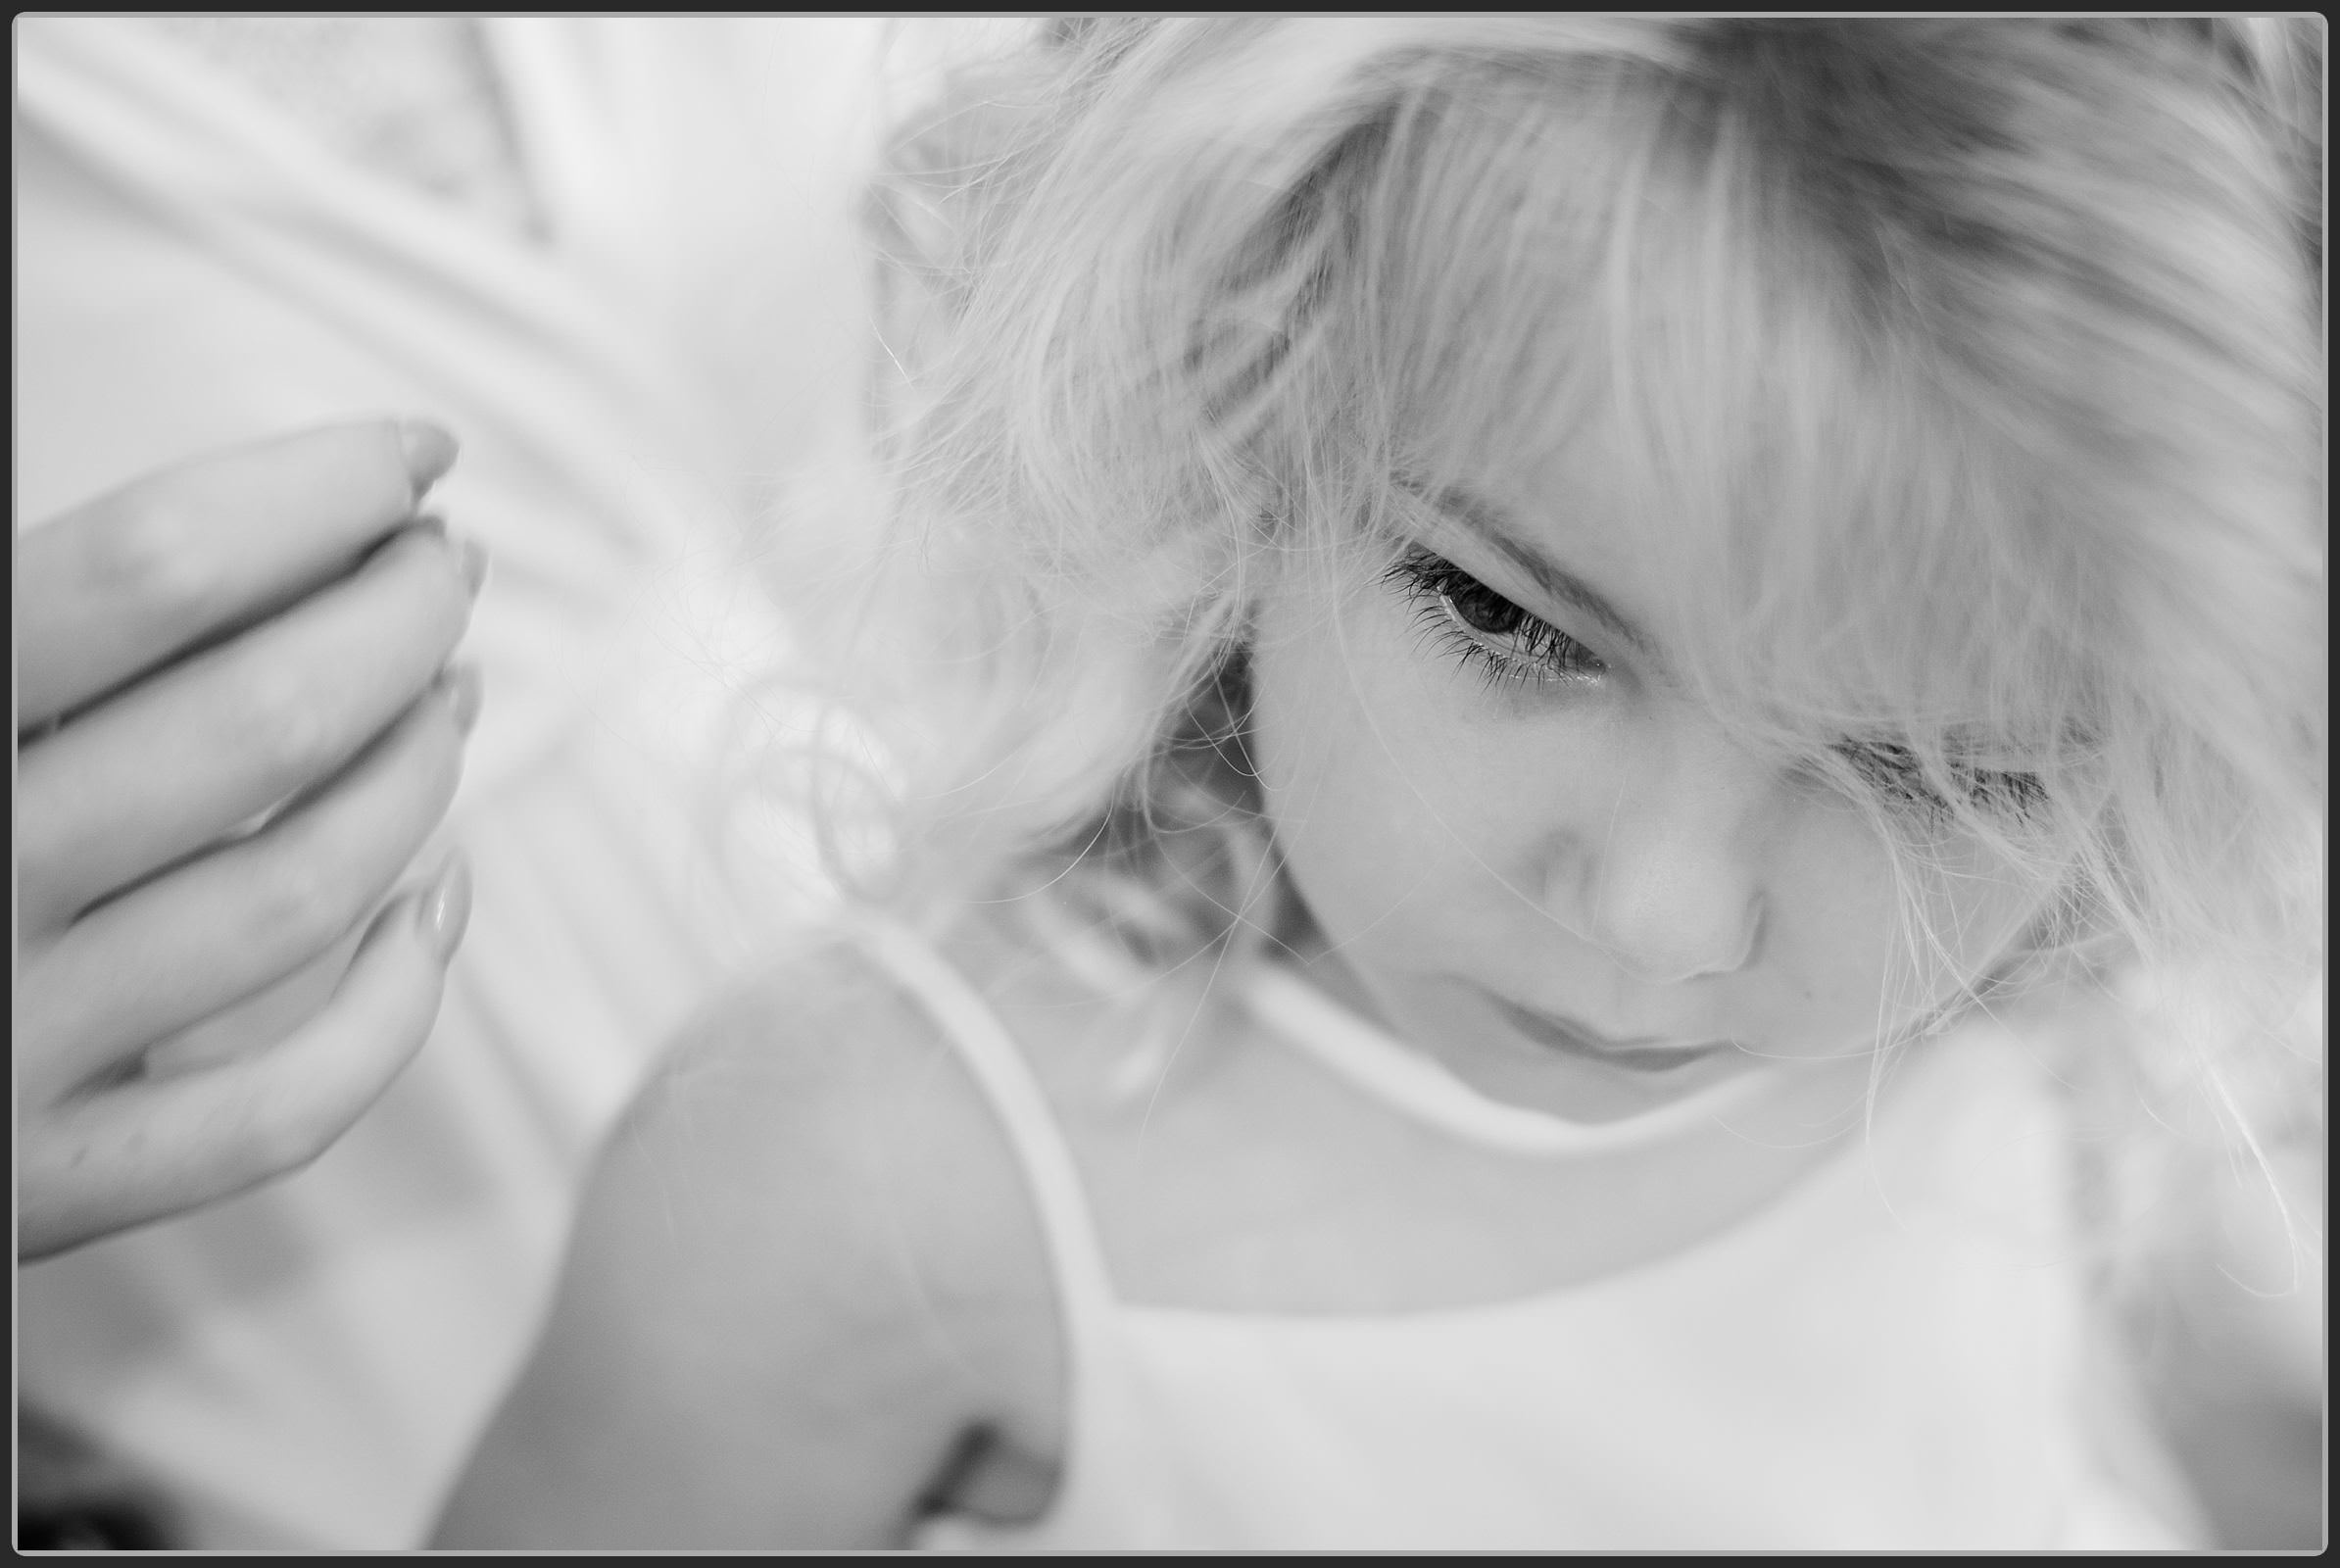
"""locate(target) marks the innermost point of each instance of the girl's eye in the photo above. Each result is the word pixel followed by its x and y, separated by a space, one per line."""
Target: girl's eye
pixel 1894 773
pixel 1483 629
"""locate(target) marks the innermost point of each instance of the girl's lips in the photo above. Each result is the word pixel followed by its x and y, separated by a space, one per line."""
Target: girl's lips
pixel 1643 1053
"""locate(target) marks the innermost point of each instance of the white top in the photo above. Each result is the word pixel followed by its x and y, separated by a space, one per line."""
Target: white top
pixel 1889 1358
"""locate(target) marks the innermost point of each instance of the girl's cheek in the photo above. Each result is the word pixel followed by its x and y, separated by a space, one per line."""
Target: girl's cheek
pixel 1333 763
pixel 1859 938
pixel 1387 791
pixel 1832 913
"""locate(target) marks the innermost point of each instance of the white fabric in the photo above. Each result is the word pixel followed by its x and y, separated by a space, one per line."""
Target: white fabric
pixel 413 97
pixel 310 1363
pixel 1889 1358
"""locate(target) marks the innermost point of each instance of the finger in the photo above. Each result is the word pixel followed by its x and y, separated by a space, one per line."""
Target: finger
pixel 261 1020
pixel 120 585
pixel 154 774
pixel 223 927
pixel 156 1147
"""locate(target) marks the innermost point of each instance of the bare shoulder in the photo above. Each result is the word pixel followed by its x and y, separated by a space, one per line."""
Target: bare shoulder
pixel 820 1062
pixel 823 1102
pixel 806 1295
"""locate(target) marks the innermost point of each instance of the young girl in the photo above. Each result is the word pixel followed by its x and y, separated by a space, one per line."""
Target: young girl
pixel 1543 681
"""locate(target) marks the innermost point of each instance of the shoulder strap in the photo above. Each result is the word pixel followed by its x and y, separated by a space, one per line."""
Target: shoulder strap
pixel 999 1068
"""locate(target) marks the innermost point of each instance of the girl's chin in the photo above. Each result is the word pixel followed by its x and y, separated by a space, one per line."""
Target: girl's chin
pixel 1468 1034
pixel 1504 1065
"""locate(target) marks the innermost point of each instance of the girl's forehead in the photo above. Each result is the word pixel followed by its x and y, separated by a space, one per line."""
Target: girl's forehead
pixel 1809 570
pixel 1557 495
pixel 1560 514
pixel 1662 386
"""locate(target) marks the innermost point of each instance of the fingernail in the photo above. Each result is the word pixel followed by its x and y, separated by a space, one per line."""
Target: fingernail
pixel 446 908
pixel 463 692
pixel 429 452
pixel 471 560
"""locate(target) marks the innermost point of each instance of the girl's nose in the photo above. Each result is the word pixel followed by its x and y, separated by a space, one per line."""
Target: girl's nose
pixel 1670 885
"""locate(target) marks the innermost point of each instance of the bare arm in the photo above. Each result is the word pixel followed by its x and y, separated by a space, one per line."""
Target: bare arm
pixel 779 1322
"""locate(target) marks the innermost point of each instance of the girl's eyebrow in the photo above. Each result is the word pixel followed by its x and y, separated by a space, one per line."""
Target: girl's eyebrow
pixel 1489 525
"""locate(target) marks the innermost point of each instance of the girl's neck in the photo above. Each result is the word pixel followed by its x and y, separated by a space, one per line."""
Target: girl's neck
pixel 1578 1113
pixel 1238 1170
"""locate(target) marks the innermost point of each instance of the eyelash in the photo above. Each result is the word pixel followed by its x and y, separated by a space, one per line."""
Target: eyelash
pixel 1441 590
pixel 1893 772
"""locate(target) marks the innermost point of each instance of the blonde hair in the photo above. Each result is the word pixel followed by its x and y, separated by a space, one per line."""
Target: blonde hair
pixel 1972 366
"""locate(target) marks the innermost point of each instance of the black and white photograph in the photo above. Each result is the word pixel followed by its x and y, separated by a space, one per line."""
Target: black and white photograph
pixel 1412 783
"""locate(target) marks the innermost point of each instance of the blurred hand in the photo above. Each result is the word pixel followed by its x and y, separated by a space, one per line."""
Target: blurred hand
pixel 236 728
